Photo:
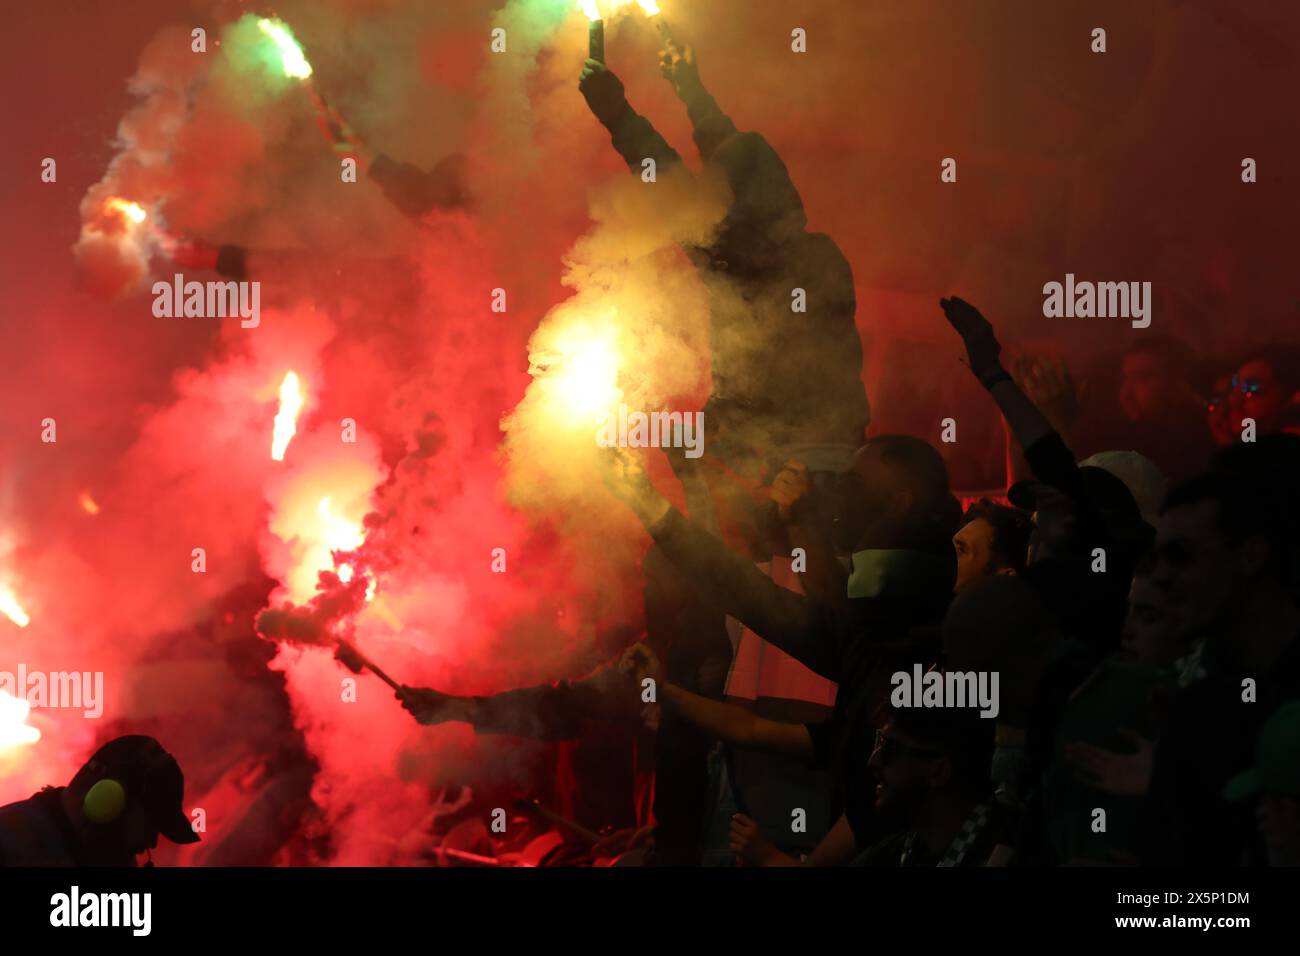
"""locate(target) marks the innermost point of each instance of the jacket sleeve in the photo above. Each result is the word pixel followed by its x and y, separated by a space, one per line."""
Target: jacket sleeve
pixel 1053 463
pixel 804 629
pixel 414 191
pixel 558 711
pixel 710 125
pixel 636 140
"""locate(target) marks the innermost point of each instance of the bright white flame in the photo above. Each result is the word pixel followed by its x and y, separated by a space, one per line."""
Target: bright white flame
pixel 131 210
pixel 650 7
pixel 589 8
pixel 286 419
pixel 583 380
pixel 11 609
pixel 291 57
pixel 340 533
pixel 14 731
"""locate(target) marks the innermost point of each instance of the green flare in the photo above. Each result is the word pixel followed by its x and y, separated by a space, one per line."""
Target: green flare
pixel 291 56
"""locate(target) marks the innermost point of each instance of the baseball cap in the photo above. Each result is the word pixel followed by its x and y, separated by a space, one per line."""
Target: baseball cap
pixel 1277 759
pixel 150 776
pixel 1106 492
pixel 1140 475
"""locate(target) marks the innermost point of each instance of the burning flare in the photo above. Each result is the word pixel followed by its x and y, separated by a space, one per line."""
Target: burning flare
pixel 650 7
pixel 292 60
pixel 589 8
pixel 88 504
pixel 14 731
pixel 130 210
pixel 340 533
pixel 11 609
pixel 286 419
pixel 580 378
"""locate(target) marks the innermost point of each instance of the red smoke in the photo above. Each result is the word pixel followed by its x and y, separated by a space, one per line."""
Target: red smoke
pixel 1123 166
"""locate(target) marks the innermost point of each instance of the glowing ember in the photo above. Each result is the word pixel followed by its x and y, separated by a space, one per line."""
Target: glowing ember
pixel 286 419
pixel 11 609
pixel 88 504
pixel 131 210
pixel 292 59
pixel 14 731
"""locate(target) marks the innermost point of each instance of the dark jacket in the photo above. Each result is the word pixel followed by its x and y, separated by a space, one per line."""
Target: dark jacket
pixel 779 376
pixel 858 643
pixel 36 832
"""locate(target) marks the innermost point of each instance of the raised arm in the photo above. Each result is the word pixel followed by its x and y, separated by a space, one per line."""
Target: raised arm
pixel 801 627
pixel 1048 455
pixel 709 124
pixel 633 136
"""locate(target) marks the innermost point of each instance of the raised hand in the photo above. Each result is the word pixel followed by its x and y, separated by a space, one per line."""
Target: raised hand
pixel 677 63
pixel 1048 384
pixel 603 92
pixel 982 347
pixel 790 487
pixel 640 662
pixel 628 481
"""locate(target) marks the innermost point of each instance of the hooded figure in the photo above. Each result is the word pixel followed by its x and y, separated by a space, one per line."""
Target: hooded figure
pixel 786 383
pixel 781 377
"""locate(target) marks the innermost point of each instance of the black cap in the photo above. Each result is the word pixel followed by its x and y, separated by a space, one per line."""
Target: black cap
pixel 150 776
pixel 1105 492
pixel 1108 496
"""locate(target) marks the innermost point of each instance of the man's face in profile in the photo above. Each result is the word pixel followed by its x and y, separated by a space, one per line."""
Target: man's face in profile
pixel 1192 567
pixel 973 544
pixel 903 767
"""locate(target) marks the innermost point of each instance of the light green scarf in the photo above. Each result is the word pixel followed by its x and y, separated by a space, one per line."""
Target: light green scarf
pixel 898 574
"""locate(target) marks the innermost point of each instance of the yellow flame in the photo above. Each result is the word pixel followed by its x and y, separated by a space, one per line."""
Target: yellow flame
pixel 14 731
pixel 590 9
pixel 88 504
pixel 11 609
pixel 650 7
pixel 131 210
pixel 286 419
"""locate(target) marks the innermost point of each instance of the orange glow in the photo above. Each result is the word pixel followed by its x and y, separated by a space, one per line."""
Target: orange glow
pixel 14 731
pixel 11 609
pixel 88 504
pixel 286 419
pixel 131 210
pixel 650 7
